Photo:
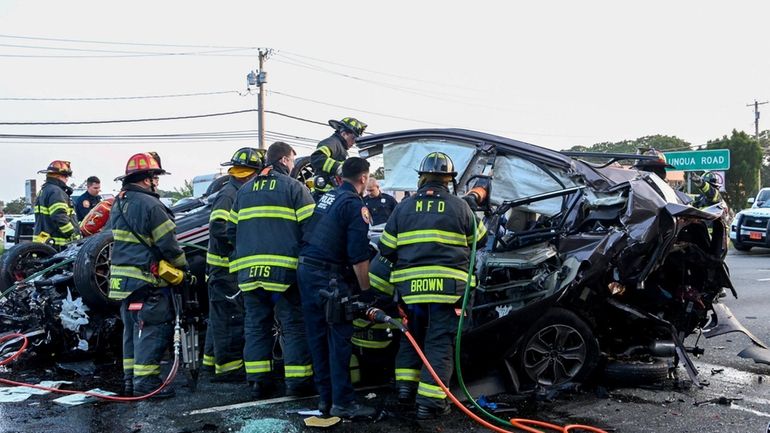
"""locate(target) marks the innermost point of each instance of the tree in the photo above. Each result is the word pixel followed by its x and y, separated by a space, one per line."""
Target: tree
pixel 659 142
pixel 379 174
pixel 15 206
pixel 185 190
pixel 745 161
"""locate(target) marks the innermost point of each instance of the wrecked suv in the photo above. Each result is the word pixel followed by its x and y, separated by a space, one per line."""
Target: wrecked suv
pixel 587 265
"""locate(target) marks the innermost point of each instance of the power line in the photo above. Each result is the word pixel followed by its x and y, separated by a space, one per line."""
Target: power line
pixel 358 109
pixel 155 119
pixel 150 53
pixel 119 43
pixel 115 98
pixel 302 119
pixel 372 71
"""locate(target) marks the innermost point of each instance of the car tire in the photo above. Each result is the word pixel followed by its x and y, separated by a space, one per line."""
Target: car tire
pixel 302 170
pixel 12 267
pixel 634 373
pixel 91 272
pixel 741 247
pixel 558 348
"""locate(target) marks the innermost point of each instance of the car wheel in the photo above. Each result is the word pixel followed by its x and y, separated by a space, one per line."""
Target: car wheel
pixel 91 272
pixel 23 260
pixel 559 348
pixel 741 247
pixel 302 170
pixel 633 373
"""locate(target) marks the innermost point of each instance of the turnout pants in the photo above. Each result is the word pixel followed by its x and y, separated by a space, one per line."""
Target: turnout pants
pixel 226 316
pixel 208 349
pixel 263 309
pixel 329 344
pixel 434 326
pixel 148 330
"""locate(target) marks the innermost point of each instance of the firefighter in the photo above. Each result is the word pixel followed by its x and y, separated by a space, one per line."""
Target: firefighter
pixel 55 222
pixel 145 252
pixel 380 205
pixel 659 167
pixel 266 225
pixel 708 187
pixel 335 258
pixel 226 314
pixel 428 238
pixel 376 344
pixel 331 152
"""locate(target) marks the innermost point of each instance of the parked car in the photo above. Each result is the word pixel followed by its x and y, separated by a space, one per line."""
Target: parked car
pixel 750 227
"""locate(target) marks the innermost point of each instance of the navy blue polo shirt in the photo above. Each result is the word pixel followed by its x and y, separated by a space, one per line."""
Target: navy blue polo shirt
pixel 380 207
pixel 339 228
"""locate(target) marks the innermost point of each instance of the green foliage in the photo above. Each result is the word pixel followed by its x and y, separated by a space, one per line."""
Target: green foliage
pixel 745 161
pixel 185 190
pixel 660 142
pixel 379 174
pixel 15 206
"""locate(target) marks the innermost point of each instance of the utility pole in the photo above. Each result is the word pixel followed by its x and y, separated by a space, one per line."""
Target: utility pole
pixel 259 79
pixel 756 137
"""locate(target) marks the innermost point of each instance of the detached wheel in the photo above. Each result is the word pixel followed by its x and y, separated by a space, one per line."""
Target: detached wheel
pixel 559 348
pixel 633 373
pixel 302 170
pixel 91 272
pixel 23 260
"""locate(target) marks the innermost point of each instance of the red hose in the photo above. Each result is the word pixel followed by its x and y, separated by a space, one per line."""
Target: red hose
pixel 519 423
pixel 169 378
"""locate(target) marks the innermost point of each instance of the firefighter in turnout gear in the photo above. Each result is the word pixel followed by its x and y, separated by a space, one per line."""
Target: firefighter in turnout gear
pixel 332 152
pixel 708 186
pixel 145 252
pixel 428 238
pixel 376 344
pixel 266 226
pixel 55 222
pixel 226 315
pixel 334 265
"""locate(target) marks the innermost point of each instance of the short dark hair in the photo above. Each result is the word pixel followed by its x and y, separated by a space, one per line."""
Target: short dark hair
pixel 354 167
pixel 278 150
pixel 92 180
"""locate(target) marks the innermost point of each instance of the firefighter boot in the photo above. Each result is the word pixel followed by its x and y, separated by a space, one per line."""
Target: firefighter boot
pixel 353 411
pixel 128 387
pixel 406 394
pixel 425 413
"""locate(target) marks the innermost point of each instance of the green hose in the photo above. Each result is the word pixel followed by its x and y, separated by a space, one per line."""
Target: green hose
pixel 35 275
pixel 458 339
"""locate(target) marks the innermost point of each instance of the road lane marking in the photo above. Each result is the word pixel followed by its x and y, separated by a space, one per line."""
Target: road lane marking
pixel 749 410
pixel 265 402
pixel 763 279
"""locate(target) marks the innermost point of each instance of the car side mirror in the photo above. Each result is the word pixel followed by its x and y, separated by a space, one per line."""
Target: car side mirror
pixel 751 200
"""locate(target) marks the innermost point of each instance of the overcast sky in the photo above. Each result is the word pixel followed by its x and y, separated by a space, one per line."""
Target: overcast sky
pixel 556 73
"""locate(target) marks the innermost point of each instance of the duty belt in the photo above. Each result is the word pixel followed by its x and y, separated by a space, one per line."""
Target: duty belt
pixel 320 264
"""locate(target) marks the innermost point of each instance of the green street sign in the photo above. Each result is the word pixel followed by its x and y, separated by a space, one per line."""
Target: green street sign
pixel 699 160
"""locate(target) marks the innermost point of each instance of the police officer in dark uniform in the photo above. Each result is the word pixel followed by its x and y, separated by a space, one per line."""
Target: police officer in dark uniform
pixel 145 248
pixel 55 222
pixel 89 199
pixel 336 257
pixel 380 205
pixel 225 303
pixel 266 225
pixel 428 238
pixel 331 152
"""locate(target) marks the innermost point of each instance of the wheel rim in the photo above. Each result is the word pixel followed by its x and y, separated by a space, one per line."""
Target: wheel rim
pixel 554 355
pixel 102 269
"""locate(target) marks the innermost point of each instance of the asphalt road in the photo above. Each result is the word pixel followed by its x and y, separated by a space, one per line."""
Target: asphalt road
pixel 663 408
